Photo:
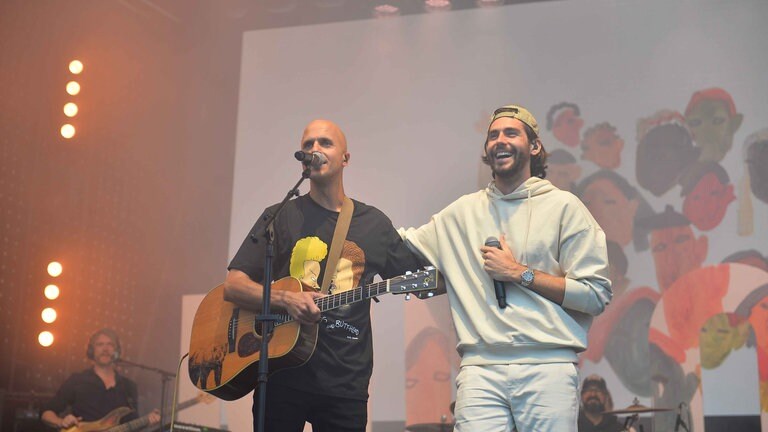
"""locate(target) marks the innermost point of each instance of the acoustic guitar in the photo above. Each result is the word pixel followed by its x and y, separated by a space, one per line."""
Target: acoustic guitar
pixel 226 339
pixel 110 422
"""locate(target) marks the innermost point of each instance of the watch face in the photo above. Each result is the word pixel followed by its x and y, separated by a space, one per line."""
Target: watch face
pixel 527 277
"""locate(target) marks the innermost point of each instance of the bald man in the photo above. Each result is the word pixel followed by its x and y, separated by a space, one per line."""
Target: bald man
pixel 330 391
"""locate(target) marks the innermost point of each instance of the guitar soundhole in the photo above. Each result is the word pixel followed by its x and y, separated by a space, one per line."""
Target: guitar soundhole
pixel 248 345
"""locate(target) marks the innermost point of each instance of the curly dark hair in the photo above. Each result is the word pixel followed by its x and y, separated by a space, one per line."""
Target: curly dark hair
pixel 558 107
pixel 538 161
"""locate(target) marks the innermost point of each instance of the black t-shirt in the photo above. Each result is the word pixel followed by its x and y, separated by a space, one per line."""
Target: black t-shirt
pixel 610 423
pixel 88 398
pixel 343 359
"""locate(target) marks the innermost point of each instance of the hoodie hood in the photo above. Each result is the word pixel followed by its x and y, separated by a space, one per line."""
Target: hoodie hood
pixel 532 187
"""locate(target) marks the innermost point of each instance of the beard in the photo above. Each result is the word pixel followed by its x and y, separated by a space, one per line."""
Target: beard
pixel 594 406
pixel 513 171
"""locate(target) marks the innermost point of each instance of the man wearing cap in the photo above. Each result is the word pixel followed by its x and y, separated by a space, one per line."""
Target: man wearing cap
pixel 550 269
pixel 595 400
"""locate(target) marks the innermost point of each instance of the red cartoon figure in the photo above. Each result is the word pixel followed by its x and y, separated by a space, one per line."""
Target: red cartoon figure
pixel 708 192
pixel 603 146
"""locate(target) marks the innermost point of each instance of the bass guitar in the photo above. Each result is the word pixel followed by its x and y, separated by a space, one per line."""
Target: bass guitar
pixel 110 422
pixel 226 339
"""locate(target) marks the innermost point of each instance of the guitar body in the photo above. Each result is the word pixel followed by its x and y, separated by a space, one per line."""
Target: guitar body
pixel 103 424
pixel 225 345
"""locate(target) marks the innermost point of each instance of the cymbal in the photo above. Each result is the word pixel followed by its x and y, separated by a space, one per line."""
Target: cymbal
pixel 430 427
pixel 637 409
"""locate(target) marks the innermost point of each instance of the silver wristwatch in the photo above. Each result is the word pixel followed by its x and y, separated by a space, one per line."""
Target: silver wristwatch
pixel 526 278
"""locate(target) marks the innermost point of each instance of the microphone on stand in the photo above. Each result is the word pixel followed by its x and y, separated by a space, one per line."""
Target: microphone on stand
pixel 314 159
pixel 498 286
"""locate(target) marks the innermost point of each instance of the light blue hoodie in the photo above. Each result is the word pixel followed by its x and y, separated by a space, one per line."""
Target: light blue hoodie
pixel 547 230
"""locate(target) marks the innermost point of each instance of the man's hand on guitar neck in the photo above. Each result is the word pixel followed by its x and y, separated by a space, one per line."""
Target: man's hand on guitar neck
pixel 68 421
pixel 241 290
pixel 300 305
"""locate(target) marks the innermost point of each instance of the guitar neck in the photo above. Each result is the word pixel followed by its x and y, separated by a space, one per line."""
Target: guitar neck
pixel 354 295
pixel 132 425
pixel 142 422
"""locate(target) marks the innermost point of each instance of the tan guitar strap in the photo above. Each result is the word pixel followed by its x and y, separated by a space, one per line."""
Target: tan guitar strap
pixel 339 235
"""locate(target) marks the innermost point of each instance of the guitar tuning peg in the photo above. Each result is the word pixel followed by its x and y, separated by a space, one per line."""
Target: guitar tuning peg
pixel 408 273
pixel 430 294
pixel 429 268
pixel 407 296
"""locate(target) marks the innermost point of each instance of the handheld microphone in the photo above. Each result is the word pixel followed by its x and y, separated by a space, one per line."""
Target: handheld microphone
pixel 498 286
pixel 314 159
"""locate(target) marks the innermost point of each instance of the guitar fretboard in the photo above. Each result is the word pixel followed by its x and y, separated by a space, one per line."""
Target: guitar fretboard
pixel 334 301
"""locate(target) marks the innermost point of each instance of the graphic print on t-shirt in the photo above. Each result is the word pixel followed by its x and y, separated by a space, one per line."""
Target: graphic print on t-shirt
pixel 306 258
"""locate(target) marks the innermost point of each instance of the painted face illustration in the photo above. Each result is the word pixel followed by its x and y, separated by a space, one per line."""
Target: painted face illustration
pixel 567 127
pixel 713 127
pixel 603 147
pixel 720 335
pixel 564 176
pixel 676 252
pixel 612 210
pixel 706 204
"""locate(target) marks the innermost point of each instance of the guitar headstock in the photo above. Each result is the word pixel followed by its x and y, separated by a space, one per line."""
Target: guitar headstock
pixel 414 282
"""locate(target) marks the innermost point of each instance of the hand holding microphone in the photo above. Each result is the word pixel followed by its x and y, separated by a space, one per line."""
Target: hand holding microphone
pixel 498 286
pixel 314 160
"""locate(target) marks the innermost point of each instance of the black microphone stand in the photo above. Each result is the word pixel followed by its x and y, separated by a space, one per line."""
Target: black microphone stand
pixel 164 378
pixel 266 319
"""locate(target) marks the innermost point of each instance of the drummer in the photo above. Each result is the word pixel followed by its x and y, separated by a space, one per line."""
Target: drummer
pixel 595 400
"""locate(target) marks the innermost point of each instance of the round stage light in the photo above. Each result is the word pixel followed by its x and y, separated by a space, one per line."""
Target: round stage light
pixel 51 292
pixel 73 88
pixel 75 66
pixel 55 268
pixel 48 315
pixel 67 131
pixel 45 338
pixel 70 109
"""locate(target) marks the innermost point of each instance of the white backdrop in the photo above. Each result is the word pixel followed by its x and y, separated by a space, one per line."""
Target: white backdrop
pixel 413 95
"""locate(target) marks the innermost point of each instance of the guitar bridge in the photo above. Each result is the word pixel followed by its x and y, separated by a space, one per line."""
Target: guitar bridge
pixel 232 330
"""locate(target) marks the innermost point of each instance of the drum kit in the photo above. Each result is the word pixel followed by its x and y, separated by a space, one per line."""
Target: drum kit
pixel 634 412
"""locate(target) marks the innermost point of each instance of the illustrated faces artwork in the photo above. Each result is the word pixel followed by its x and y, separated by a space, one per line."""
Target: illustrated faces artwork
pixel 428 377
pixel 611 208
pixel 713 127
pixel 562 170
pixel 567 127
pixel 563 176
pixel 627 347
pixel 662 155
pixel 706 204
pixel 602 146
pixel 758 317
pixel 676 252
pixel 692 300
pixel 757 161
pixel 720 335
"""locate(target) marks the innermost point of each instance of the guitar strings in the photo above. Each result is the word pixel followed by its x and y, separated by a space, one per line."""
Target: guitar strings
pixel 328 302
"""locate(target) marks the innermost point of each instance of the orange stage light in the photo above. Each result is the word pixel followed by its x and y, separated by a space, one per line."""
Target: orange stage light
pixel 51 292
pixel 45 338
pixel 55 268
